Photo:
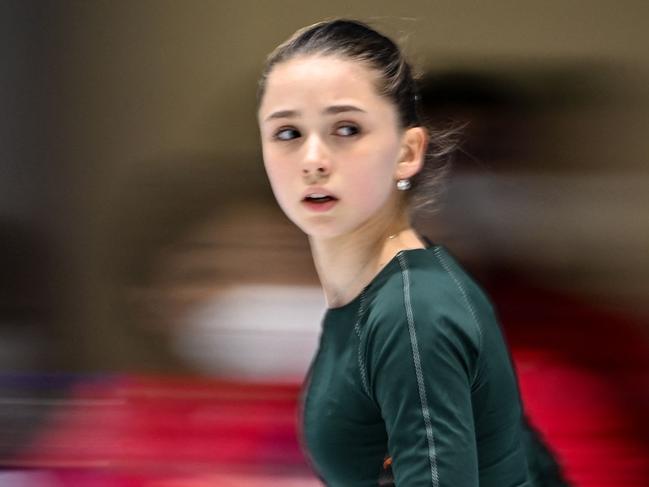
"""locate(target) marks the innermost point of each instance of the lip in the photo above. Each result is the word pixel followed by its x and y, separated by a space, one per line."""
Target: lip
pixel 319 207
pixel 318 190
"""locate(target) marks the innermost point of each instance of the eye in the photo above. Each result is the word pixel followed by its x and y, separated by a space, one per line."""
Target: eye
pixel 347 130
pixel 286 133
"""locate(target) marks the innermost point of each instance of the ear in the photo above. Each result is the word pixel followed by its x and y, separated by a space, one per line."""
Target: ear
pixel 414 143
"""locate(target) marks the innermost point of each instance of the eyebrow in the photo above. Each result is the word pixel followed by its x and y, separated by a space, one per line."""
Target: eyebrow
pixel 331 110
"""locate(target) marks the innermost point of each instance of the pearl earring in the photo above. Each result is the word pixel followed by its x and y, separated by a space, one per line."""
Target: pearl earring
pixel 403 184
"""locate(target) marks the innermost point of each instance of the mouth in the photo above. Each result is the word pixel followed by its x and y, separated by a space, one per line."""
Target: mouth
pixel 319 202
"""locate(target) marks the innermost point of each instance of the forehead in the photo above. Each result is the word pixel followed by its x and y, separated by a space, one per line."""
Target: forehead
pixel 317 79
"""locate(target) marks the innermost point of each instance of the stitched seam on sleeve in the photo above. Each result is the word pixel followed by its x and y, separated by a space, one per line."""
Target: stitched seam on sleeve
pixel 466 299
pixel 361 362
pixel 432 457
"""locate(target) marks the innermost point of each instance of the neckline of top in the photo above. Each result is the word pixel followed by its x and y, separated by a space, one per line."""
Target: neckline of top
pixel 377 278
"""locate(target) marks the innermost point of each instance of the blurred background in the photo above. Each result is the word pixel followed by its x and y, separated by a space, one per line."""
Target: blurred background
pixel 157 310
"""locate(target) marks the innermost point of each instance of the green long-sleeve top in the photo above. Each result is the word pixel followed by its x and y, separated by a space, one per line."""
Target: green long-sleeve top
pixel 415 373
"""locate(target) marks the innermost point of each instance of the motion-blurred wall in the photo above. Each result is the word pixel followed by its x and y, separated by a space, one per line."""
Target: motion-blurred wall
pixel 129 134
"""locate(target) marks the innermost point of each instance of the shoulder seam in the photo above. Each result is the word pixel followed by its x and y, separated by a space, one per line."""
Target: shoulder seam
pixel 466 299
pixel 425 411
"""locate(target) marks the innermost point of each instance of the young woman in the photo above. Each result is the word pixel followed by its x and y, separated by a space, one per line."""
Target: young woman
pixel 412 380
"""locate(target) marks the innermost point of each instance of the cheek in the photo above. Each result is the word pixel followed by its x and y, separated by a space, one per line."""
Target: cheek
pixel 370 193
pixel 280 178
pixel 275 170
pixel 376 175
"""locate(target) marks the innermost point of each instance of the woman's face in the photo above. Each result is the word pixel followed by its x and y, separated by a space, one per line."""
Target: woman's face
pixel 326 131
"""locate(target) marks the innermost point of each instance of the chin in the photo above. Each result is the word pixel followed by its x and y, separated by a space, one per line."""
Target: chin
pixel 320 231
pixel 327 226
pixel 327 229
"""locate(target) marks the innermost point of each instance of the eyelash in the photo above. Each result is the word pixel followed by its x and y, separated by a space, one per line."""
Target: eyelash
pixel 278 134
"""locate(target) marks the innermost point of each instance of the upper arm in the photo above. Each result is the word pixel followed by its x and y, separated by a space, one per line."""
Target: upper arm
pixel 421 366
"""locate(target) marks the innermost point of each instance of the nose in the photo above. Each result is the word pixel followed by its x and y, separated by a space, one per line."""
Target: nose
pixel 316 162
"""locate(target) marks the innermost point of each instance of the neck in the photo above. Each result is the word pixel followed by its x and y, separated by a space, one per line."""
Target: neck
pixel 347 263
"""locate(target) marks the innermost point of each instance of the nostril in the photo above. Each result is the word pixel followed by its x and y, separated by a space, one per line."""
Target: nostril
pixel 320 170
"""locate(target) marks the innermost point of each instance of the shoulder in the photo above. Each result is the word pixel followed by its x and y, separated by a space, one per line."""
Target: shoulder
pixel 429 306
pixel 430 286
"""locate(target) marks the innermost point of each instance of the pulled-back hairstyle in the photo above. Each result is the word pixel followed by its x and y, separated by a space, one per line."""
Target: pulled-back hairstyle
pixel 357 41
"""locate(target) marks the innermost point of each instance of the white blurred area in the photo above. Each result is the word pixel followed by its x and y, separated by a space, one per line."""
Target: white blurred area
pixel 236 296
pixel 584 232
pixel 266 332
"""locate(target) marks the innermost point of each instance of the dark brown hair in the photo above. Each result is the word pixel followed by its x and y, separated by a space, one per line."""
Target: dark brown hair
pixel 356 40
